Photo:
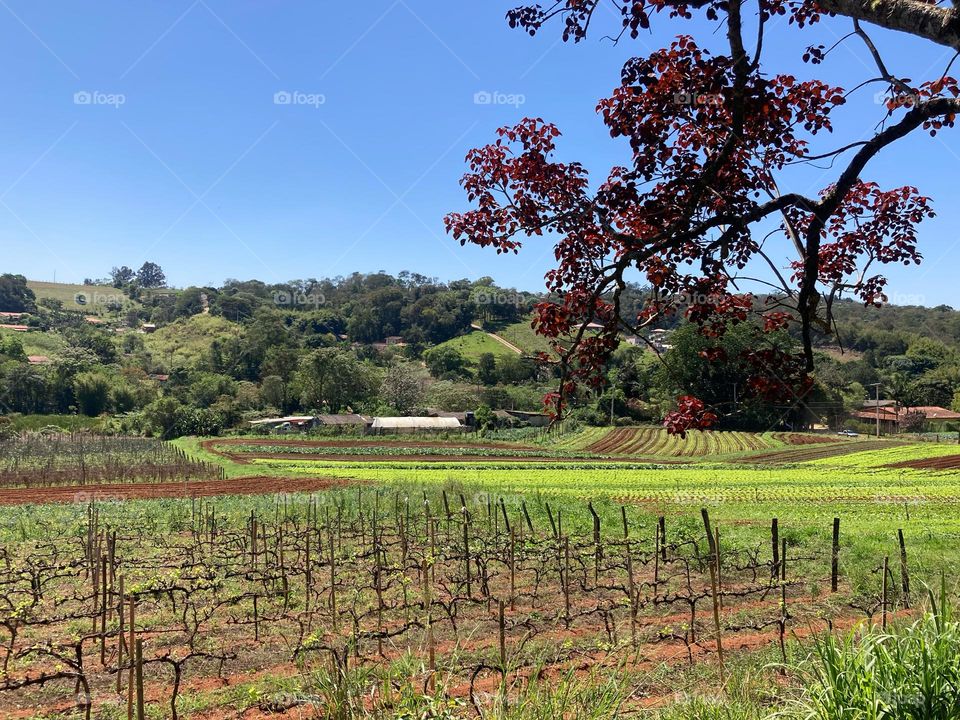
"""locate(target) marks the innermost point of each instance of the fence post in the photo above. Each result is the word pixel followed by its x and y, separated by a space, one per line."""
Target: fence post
pixel 835 555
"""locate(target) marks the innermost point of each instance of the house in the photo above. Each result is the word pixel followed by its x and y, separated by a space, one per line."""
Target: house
pixel 11 316
pixel 15 328
pixel 411 425
pixel 38 359
pixel 159 377
pixel 892 416
pixel 148 328
pixel 659 339
pixel 291 423
pixel 348 421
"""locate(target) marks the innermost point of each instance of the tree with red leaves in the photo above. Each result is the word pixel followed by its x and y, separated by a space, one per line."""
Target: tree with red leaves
pixel 711 138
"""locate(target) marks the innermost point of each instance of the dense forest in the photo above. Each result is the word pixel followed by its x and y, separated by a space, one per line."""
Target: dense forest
pixel 204 359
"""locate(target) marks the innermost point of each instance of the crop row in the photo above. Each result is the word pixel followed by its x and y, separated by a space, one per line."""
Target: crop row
pixel 674 483
pixel 883 456
pixel 35 460
pixel 441 450
pixel 658 442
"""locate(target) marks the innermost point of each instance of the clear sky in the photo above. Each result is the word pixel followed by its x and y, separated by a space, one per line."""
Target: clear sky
pixel 153 130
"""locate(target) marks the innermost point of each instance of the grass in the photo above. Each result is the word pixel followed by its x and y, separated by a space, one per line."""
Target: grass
pixel 912 672
pixel 96 295
pixel 521 335
pixel 472 345
pixel 184 342
pixel 38 343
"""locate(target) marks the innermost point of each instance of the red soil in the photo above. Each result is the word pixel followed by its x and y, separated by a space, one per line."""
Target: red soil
pixel 948 462
pixel 803 438
pixel 146 491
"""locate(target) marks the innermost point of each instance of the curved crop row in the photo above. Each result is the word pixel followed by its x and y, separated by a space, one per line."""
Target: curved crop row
pixel 654 442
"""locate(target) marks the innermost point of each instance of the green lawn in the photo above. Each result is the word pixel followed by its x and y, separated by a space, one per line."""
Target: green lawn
pixel 523 336
pixel 475 344
pixel 95 296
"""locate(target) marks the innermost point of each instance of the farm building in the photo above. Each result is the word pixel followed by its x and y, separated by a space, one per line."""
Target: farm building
pixel 291 423
pixel 522 418
pixel 345 421
pixel 410 425
pixel 38 359
pixel 893 416
pixel 466 417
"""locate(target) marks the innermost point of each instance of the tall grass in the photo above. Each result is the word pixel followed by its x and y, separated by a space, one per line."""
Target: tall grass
pixel 909 673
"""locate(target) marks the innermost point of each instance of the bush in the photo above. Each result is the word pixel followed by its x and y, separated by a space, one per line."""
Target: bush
pixel 910 673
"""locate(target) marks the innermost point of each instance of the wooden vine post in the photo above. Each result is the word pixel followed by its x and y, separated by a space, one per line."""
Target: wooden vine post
pixel 886 570
pixel 775 542
pixel 904 574
pixel 835 556
pixel 597 552
pixel 631 585
pixel 131 645
pixel 141 715
pixel 714 564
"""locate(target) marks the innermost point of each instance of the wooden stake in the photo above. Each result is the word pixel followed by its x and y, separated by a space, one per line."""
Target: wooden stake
pixel 904 574
pixel 140 708
pixel 886 565
pixel 131 645
pixel 120 634
pixel 835 556
pixel 713 584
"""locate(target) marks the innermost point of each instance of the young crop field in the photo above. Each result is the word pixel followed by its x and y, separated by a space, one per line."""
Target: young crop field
pixel 36 460
pixel 656 442
pixel 449 578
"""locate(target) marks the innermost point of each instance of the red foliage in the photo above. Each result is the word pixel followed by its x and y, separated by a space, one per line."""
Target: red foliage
pixel 708 136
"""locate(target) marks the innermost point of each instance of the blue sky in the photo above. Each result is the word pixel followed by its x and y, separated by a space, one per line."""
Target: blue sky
pixel 149 130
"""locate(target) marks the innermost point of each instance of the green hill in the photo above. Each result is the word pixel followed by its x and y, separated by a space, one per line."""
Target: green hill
pixel 475 344
pixel 183 342
pixel 91 298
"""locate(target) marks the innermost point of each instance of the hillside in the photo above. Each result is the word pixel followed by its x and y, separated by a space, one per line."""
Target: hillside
pixel 476 343
pixel 89 298
pixel 186 342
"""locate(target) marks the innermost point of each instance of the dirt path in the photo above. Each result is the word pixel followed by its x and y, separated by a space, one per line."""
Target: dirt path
pixel 503 341
pixel 147 491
